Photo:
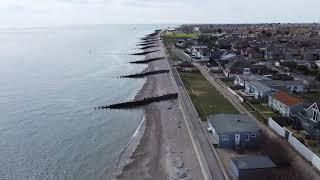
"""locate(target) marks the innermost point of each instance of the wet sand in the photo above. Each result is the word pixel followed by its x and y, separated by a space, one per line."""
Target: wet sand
pixel 165 150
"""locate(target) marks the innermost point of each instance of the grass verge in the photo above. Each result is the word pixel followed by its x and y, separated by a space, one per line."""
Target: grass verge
pixel 206 98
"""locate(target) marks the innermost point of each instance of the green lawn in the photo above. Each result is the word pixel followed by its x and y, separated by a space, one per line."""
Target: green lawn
pixel 229 83
pixel 266 111
pixel 262 108
pixel 182 35
pixel 259 117
pixel 206 99
pixel 185 35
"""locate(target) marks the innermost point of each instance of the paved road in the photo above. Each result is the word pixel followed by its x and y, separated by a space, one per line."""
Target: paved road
pixel 208 156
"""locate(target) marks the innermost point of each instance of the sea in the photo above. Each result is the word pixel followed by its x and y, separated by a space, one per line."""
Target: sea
pixel 51 78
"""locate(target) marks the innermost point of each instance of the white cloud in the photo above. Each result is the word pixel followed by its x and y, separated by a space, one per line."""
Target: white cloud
pixel 56 12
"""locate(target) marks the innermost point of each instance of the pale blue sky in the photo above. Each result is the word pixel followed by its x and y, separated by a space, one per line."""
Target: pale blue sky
pixel 59 12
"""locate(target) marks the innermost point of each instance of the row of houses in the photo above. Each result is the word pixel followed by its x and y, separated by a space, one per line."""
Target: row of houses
pixel 250 56
pixel 260 86
pixel 308 116
pixel 281 97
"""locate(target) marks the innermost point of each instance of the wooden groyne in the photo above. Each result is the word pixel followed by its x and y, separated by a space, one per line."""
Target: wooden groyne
pixel 147 60
pixel 150 41
pixel 144 53
pixel 153 35
pixel 148 47
pixel 143 74
pixel 147 44
pixel 145 101
pixel 156 33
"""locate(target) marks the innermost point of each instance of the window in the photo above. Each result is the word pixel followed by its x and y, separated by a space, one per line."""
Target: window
pixel 247 137
pixel 225 137
pixel 253 135
pixel 315 115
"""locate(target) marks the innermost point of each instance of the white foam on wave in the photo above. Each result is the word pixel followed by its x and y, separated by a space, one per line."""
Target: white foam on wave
pixel 124 157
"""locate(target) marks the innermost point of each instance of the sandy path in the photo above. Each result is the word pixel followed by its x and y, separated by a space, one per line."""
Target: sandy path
pixel 165 150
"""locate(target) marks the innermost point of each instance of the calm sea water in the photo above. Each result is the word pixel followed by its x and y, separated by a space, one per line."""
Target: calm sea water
pixel 50 80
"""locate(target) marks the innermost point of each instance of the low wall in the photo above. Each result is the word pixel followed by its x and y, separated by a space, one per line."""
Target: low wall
pixel 276 127
pixel 296 144
pixel 235 94
pixel 301 148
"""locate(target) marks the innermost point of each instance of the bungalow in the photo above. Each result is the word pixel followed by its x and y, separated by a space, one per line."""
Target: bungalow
pixel 257 89
pixel 312 54
pixel 273 53
pixel 252 52
pixel 180 43
pixel 296 86
pixel 216 54
pixel 234 131
pixel 236 67
pixel 310 120
pixel 198 47
pixel 241 79
pixel 307 63
pixel 285 103
pixel 264 88
pixel 252 168
pixel 197 51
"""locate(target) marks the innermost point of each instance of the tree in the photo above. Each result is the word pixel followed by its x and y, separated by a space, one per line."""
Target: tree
pixel 318 76
pixel 290 64
pixel 301 67
pixel 268 34
pixel 278 32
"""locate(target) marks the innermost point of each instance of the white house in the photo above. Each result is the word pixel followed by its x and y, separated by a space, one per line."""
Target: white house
pixel 285 103
pixel 241 79
pixel 264 88
pixel 295 86
pixel 257 89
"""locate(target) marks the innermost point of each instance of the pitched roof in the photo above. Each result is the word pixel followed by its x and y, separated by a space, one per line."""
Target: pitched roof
pixel 286 98
pixel 273 83
pixel 252 77
pixel 232 123
pixel 253 162
pixel 239 63
pixel 316 105
pixel 259 85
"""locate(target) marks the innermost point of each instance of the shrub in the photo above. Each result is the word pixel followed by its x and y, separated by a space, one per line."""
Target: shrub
pixel 318 76
pixel 301 140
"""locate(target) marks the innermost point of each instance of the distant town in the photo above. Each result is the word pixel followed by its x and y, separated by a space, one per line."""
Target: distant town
pixel 256 92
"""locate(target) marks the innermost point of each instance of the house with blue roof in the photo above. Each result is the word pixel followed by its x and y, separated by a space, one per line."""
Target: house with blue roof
pixel 236 131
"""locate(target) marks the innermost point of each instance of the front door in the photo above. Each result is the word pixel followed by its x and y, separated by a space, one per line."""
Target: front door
pixel 237 139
